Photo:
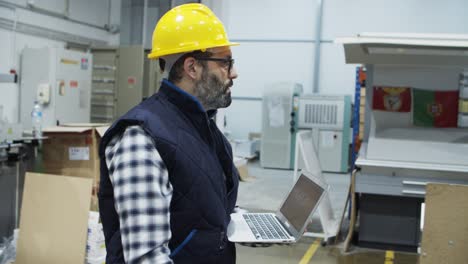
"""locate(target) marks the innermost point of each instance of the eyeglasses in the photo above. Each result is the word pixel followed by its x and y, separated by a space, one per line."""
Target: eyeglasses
pixel 225 62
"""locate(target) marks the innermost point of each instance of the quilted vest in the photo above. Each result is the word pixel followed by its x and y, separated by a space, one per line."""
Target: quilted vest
pixel 200 165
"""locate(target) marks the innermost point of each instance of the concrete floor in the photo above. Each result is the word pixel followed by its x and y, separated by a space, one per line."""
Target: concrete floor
pixel 294 254
pixel 265 191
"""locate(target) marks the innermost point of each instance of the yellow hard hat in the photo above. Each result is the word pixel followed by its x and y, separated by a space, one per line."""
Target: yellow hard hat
pixel 186 28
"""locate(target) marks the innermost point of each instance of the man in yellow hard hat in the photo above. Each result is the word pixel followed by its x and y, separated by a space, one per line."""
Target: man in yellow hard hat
pixel 168 182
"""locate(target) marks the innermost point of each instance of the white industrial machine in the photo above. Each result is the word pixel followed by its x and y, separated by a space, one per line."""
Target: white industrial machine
pixel 60 80
pixel 286 111
pixel 399 157
pixel 322 144
pixel 280 106
pixel 328 118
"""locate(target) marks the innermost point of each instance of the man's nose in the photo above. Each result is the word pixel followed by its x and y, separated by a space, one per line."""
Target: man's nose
pixel 233 74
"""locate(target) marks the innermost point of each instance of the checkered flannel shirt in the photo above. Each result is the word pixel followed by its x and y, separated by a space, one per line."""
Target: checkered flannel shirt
pixel 142 194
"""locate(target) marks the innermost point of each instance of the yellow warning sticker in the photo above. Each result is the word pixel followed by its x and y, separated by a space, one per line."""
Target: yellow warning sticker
pixel 68 61
pixel 463 106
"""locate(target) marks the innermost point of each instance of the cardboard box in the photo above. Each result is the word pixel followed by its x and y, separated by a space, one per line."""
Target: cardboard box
pixel 241 165
pixel 54 219
pixel 248 149
pixel 255 135
pixel 72 150
pixel 56 224
pixel 445 231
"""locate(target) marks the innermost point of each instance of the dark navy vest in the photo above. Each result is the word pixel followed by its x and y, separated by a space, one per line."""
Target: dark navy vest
pixel 204 179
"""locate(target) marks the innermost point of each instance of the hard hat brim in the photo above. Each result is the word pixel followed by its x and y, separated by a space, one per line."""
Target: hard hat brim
pixel 155 55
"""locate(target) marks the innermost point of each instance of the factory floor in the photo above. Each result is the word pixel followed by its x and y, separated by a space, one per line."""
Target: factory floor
pixel 309 250
pixel 266 189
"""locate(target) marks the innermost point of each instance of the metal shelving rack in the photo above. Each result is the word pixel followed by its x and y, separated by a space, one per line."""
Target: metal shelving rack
pixel 358 118
pixel 104 85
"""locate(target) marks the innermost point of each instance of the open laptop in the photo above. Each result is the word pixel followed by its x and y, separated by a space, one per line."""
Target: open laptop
pixel 288 223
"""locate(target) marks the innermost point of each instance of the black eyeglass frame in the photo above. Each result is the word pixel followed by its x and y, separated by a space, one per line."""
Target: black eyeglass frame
pixel 228 61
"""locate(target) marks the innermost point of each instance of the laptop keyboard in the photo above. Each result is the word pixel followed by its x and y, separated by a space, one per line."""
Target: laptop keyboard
pixel 265 226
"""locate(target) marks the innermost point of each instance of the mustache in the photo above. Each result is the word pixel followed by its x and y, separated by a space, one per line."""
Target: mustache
pixel 229 84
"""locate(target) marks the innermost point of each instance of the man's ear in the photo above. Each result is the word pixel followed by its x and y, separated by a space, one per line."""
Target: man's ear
pixel 191 67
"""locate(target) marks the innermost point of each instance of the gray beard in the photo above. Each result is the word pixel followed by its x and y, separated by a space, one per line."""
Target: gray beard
pixel 212 92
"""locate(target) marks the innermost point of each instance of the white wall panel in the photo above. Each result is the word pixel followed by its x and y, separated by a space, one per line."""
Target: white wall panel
pixel 19 2
pixel 9 101
pixel 12 44
pixel 57 6
pixel 90 11
pixel 276 45
pixel 116 8
pixel 345 18
pixel 261 63
pixel 336 77
pixel 262 59
pixel 243 117
pixel 270 19
pixel 10 91
pixel 28 17
pixel 7 13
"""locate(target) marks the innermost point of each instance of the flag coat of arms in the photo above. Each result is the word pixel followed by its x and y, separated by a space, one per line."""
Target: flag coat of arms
pixel 392 99
pixel 435 108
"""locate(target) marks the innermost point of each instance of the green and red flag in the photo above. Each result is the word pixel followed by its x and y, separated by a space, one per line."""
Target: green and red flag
pixel 435 108
pixel 392 99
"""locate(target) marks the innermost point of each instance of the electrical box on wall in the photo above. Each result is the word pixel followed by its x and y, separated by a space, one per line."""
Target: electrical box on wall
pixel 60 80
pixel 43 93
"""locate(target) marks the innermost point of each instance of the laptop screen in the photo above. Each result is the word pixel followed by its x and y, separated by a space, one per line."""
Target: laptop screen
pixel 301 201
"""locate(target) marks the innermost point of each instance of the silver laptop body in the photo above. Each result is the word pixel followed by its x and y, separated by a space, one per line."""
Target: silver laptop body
pixel 288 223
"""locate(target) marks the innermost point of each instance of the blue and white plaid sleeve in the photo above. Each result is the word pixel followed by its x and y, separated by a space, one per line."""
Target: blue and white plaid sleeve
pixel 142 194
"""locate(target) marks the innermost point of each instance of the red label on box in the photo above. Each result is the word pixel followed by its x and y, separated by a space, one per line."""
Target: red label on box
pixel 73 84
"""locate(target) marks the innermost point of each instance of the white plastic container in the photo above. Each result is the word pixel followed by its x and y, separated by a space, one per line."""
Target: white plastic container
pixel 464 92
pixel 462 120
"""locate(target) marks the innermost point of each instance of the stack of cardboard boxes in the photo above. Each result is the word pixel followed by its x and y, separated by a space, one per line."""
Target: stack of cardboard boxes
pixel 72 150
